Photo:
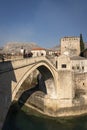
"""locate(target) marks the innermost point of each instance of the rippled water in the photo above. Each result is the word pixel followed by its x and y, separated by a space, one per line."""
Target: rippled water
pixel 27 121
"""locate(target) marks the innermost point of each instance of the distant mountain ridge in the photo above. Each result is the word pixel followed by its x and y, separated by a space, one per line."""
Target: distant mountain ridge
pixel 14 47
pixel 85 45
pixel 57 47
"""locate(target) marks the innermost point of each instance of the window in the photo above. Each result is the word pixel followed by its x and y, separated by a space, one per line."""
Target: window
pixel 77 67
pixel 82 67
pixel 63 65
pixel 73 67
pixel 56 64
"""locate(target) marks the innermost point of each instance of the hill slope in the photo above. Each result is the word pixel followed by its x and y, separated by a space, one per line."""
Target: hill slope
pixel 14 47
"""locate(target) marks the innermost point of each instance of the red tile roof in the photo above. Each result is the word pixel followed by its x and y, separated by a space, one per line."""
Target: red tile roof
pixel 38 49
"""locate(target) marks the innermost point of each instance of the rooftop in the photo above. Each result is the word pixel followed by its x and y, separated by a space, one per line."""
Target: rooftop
pixel 77 58
pixel 38 48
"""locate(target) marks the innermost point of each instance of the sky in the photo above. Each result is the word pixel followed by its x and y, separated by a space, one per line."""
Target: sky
pixel 44 22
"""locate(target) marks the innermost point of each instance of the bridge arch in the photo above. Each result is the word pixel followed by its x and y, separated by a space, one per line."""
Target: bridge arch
pixel 48 74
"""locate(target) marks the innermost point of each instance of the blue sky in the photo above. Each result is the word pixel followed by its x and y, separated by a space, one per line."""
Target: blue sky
pixel 42 21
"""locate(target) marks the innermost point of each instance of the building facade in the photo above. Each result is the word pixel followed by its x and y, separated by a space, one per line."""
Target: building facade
pixel 38 52
pixel 70 45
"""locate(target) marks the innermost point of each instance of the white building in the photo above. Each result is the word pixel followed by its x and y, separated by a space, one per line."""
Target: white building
pixel 74 63
pixel 38 52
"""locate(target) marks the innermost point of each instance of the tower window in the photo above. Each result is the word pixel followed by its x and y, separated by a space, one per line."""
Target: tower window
pixel 77 67
pixel 82 67
pixel 63 65
pixel 73 67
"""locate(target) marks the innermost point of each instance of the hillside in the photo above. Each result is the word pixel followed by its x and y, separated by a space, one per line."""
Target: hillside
pixel 57 47
pixel 14 47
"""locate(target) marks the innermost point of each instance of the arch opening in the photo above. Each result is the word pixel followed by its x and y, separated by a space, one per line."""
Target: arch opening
pixel 44 86
pixel 48 79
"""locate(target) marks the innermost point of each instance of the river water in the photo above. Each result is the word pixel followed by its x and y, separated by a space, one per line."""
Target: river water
pixel 25 120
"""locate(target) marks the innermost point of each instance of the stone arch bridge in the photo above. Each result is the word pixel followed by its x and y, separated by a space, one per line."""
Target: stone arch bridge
pixel 13 74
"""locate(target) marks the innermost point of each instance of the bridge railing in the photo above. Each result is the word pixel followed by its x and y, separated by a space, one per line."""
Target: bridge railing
pixel 9 65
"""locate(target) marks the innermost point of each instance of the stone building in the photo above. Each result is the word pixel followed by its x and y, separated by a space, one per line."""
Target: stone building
pixel 70 45
pixel 73 77
pixel 72 70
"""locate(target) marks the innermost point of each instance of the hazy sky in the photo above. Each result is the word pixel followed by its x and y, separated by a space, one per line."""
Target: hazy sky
pixel 42 21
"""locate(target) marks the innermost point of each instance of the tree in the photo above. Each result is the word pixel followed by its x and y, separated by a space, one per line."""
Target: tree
pixel 82 47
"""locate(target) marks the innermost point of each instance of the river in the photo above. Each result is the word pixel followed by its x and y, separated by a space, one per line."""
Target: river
pixel 28 120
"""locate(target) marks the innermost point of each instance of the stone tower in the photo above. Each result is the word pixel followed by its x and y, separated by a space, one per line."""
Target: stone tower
pixel 70 45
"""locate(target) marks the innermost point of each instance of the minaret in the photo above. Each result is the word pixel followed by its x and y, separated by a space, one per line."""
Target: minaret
pixel 22 50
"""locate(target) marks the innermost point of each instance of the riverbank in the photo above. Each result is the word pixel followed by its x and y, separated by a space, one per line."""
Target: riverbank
pixel 32 120
pixel 66 113
pixel 69 113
